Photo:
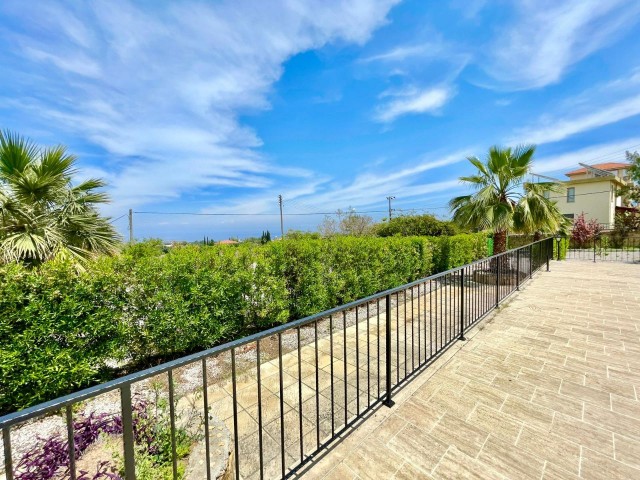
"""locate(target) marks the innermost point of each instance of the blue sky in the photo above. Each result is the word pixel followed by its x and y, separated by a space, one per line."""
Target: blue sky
pixel 219 106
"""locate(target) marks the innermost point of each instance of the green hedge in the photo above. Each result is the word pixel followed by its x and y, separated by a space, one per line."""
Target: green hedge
pixel 61 330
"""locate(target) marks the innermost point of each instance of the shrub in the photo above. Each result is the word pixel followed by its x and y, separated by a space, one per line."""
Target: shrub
pixel 583 232
pixel 62 330
pixel 415 225
pixel 458 250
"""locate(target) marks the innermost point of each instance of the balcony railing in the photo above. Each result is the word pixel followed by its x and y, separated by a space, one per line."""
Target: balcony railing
pixel 291 390
pixel 606 248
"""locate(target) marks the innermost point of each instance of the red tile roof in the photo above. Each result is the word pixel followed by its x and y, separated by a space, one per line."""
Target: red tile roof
pixel 227 242
pixel 601 166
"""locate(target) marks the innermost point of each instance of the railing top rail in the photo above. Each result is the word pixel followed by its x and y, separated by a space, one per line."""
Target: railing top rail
pixel 90 392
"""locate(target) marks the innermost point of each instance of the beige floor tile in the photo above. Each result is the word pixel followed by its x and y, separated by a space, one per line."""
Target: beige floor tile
pixel 510 461
pixel 420 449
pixel 528 413
pixel 627 450
pixel 464 436
pixel 552 448
pixel 586 394
pixel 601 467
pixel 583 433
pixel 492 421
pixel 456 464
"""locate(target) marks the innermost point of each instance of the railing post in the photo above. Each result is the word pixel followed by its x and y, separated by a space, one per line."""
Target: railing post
pixel 462 305
pixel 594 249
pixel 127 432
pixel 530 262
pixel 388 402
pixel 518 269
pixel 497 281
pixel 547 242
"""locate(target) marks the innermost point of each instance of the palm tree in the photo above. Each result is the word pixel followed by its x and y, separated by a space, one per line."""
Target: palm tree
pixel 42 213
pixel 503 200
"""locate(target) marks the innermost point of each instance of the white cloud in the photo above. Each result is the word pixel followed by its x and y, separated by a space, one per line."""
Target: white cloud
pixel 600 153
pixel 413 101
pixel 548 37
pixel 403 52
pixel 161 90
pixel 560 129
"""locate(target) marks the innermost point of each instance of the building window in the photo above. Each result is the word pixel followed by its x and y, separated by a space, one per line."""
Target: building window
pixel 570 216
pixel 571 194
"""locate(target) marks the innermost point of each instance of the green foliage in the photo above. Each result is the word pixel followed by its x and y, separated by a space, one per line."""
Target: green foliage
pixel 45 215
pixel 458 250
pixel 61 329
pixel 503 201
pixel 58 328
pixel 564 245
pixel 266 237
pixel 415 225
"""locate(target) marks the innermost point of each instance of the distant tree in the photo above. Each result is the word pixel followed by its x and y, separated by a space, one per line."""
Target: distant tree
pixel 43 214
pixel 415 225
pixel 328 227
pixel 354 224
pixel 265 237
pixel 631 192
pixel 503 200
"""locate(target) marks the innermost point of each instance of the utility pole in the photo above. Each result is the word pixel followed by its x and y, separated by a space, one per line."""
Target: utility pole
pixel 390 197
pixel 281 221
pixel 130 225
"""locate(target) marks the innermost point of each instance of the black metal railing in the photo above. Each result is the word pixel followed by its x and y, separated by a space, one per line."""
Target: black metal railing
pixel 606 248
pixel 285 394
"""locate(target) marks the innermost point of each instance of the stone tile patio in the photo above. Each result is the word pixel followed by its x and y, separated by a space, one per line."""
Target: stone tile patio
pixel 546 388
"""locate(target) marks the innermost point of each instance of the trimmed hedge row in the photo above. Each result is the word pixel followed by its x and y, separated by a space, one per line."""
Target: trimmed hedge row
pixel 62 330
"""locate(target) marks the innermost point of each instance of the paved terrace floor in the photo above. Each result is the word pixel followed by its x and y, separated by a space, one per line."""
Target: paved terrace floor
pixel 547 388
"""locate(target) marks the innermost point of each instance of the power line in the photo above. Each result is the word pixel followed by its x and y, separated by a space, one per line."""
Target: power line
pixel 121 216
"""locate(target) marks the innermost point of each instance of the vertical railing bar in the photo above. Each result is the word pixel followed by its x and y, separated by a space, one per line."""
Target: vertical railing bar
pixel 315 326
pixel 205 401
pixel 368 359
pixel 282 458
pixel 462 304
pixel 530 262
pixel 498 281
pixel 259 380
pixel 172 418
pixel 378 356
pixel 404 323
pixel 8 456
pixel 397 340
pixel 300 397
pixel 127 432
pixel 333 428
pixel 432 326
pixel 357 364
pixel 419 320
pixel 344 365
pixel 518 269
pixel 388 402
pixel 71 442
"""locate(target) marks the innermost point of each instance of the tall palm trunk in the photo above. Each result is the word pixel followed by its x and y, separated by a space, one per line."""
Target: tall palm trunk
pixel 499 241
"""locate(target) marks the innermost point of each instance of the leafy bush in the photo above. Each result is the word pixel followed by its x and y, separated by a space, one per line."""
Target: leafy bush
pixel 62 330
pixel 458 250
pixel 415 225
pixel 583 232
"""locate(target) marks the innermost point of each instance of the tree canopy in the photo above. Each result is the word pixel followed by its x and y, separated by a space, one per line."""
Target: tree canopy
pixel 43 214
pixel 503 200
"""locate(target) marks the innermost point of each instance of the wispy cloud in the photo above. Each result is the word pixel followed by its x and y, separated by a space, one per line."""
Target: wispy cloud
pixel 161 90
pixel 547 37
pixel 599 153
pixel 413 101
pixel 596 107
pixel 403 52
